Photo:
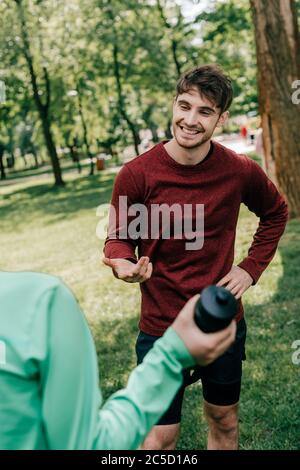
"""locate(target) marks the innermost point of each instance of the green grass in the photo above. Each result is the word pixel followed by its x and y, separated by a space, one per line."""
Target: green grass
pixel 54 231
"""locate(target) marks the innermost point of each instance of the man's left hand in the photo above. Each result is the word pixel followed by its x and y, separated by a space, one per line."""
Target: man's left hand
pixel 237 281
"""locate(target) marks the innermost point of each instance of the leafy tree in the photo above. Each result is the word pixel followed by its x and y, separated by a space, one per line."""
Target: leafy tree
pixel 43 106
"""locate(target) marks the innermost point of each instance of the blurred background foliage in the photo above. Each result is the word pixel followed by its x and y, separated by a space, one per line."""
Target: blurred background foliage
pixel 108 68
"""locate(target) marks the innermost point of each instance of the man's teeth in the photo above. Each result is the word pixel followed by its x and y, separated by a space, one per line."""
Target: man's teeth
pixel 188 131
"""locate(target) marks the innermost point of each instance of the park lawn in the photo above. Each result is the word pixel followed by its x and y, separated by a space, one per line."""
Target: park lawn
pixel 54 231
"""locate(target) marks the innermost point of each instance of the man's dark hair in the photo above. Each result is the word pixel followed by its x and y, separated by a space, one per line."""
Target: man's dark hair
pixel 211 82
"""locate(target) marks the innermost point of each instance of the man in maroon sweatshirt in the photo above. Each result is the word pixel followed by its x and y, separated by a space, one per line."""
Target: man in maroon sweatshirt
pixel 200 184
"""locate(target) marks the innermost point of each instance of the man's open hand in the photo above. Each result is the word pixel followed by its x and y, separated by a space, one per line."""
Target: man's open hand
pixel 129 272
pixel 237 281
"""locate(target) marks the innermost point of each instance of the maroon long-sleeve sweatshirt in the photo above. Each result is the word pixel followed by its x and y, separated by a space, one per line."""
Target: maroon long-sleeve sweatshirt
pixel 218 185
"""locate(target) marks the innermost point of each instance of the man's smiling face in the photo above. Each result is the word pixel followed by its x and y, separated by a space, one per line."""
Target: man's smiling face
pixel 195 119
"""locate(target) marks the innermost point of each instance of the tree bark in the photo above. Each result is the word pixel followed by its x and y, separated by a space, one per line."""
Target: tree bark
pixel 278 63
pixel 151 125
pixel 168 132
pixel 36 161
pixel 42 108
pixel 74 153
pixel 2 170
pixel 85 133
pixel 121 101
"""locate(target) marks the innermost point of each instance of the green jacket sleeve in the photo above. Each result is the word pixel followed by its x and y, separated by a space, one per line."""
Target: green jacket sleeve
pixel 127 417
pixel 71 397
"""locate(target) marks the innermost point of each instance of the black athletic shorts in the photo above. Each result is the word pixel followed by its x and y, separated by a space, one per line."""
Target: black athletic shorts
pixel 221 380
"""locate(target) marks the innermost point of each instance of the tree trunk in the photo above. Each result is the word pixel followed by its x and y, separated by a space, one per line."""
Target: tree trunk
pixel 23 155
pixel 35 159
pixel 51 148
pixel 154 132
pixel 278 62
pixel 168 132
pixel 13 159
pixel 174 45
pixel 43 108
pixel 117 74
pixel 121 101
pixel 11 146
pixel 2 170
pixel 74 154
pixel 173 42
pixel 147 117
pixel 85 133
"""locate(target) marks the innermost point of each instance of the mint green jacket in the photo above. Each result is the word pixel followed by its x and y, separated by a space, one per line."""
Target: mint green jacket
pixel 49 390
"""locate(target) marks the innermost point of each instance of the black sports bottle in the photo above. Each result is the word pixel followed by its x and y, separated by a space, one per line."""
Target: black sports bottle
pixel 215 309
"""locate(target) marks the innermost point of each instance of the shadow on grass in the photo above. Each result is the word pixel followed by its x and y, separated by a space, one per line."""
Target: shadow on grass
pixel 58 203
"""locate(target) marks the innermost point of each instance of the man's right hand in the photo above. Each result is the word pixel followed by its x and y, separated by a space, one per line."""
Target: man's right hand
pixel 128 271
pixel 204 347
